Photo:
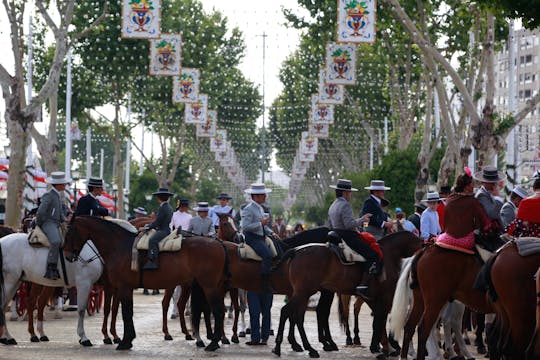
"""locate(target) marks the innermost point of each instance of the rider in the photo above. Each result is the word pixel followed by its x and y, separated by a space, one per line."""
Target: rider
pixel 49 217
pixel 342 221
pixel 181 217
pixel 202 224
pixel 255 226
pixel 161 224
pixel 373 205
pixel 527 222
pixel 222 208
pixel 89 204
pixel 429 222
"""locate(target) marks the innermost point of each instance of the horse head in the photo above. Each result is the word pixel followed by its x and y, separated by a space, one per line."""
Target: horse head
pixel 228 229
pixel 75 239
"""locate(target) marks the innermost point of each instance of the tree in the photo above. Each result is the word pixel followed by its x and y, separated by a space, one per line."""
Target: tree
pixel 21 112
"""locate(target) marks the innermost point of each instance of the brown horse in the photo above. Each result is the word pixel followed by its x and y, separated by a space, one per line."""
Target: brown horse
pixel 343 312
pixel 533 352
pixel 200 259
pixel 439 275
pixel 332 275
pixel 512 278
pixel 38 299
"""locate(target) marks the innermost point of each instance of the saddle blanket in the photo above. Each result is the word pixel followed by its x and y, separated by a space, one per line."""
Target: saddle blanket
pixel 37 237
pixel 122 223
pixel 246 252
pixel 466 242
pixel 173 241
pixel 528 245
pixel 349 254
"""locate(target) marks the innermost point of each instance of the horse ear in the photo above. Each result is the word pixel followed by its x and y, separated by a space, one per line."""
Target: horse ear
pixel 230 212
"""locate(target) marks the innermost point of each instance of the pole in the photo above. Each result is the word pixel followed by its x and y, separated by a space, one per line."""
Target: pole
pixel 68 117
pixel 512 151
pixel 101 163
pixel 29 60
pixel 141 162
pixel 371 154
pixel 437 111
pixel 128 147
pixel 263 133
pixel 88 153
pixel 385 135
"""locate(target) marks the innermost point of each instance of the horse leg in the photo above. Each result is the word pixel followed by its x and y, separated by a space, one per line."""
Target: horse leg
pixel 415 315
pixel 43 298
pixel 323 314
pixel 344 302
pixel 125 296
pixel 456 317
pixel 357 306
pixel 429 318
pixel 185 293
pixel 30 306
pixel 106 311
pixel 164 310
pixel 242 301
pixel 217 305
pixel 83 289
pixel 285 314
pixel 114 315
pixel 298 315
pixel 197 303
pixel 236 305
pixel 175 297
pixel 10 288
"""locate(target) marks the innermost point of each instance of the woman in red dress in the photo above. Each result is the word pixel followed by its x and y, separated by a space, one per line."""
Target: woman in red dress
pixel 527 222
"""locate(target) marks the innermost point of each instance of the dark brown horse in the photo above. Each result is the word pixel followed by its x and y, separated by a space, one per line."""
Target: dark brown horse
pixel 512 278
pixel 343 312
pixel 533 351
pixel 332 276
pixel 440 275
pixel 200 259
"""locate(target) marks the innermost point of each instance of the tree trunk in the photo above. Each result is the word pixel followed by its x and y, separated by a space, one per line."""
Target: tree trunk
pixel 48 145
pixel 117 140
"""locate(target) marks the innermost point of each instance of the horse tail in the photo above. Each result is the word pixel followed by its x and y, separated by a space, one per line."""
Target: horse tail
pixel 483 281
pixel 341 313
pixel 289 254
pixel 199 304
pixel 401 299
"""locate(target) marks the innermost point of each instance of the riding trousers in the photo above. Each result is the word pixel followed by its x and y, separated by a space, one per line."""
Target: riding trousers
pixel 258 244
pixel 52 230
pixel 153 243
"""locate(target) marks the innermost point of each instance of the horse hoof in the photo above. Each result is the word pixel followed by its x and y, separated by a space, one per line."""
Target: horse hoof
pixel 85 343
pixel 116 340
pixel 168 337
pixel 375 349
pixel 199 343
pixel 314 354
pixel 248 331
pixel 348 342
pixel 234 339
pixel 381 356
pixel 394 353
pixel 225 341
pixel 242 334
pixel 124 346
pixel 44 338
pixel 357 341
pixel 34 339
pixel 189 338
pixel 3 341
pixel 276 351
pixel 297 348
pixel 481 350
pixel 213 346
pixel 327 347
pixel 107 341
pixel 14 342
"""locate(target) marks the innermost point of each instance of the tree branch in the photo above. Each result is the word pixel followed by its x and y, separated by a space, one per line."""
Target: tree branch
pixel 83 33
pixel 43 11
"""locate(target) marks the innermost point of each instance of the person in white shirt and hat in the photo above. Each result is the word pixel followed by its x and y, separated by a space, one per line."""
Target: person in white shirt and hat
pixel 509 209
pixel 379 220
pixel 49 216
pixel 201 224
pixel 181 217
pixel 429 221
pixel 222 208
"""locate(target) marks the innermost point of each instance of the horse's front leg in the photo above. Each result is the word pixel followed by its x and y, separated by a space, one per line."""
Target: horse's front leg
pixel 83 289
pixel 236 306
pixel 323 314
pixel 30 306
pixel 185 292
pixel 125 296
pixel 164 310
pixel 300 306
pixel 45 293
pixel 357 307
pixel 215 298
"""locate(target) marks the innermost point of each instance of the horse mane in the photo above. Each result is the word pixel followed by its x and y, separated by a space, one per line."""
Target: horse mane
pixel 5 230
pixel 107 223
pixel 315 235
pixel 389 239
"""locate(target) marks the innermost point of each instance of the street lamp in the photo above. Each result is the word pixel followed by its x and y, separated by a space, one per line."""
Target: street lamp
pixel 115 192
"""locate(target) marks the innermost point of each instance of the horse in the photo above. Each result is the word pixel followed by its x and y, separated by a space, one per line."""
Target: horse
pixel 434 285
pixel 513 294
pixel 332 275
pixel 21 262
pixel 343 313
pixel 202 259
pixel 533 352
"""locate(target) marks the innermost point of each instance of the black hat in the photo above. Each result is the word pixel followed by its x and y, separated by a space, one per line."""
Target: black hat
pixel 445 189
pixel 343 184
pixel 95 182
pixel 163 191
pixel 420 206
pixel 224 196
pixel 490 174
pixel 183 202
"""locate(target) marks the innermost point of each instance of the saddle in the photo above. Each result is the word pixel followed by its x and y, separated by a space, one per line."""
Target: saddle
pixel 172 242
pixel 37 238
pixel 528 245
pixel 345 253
pixel 246 252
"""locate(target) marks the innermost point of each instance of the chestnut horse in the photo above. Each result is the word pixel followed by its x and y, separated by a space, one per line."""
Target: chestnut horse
pixel 513 295
pixel 200 259
pixel 533 351
pixel 332 275
pixel 439 275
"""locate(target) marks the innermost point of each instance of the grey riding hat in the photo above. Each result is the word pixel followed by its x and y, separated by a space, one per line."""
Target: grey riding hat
pixel 95 182
pixel 433 196
pixel 140 210
pixel 377 185
pixel 57 178
pixel 257 189
pixel 344 185
pixel 202 206
pixel 163 191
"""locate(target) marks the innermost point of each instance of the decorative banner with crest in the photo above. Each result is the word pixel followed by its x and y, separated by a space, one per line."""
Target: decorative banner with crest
pixel 219 141
pixel 321 113
pixel 166 55
pixel 226 158
pixel 308 144
pixel 318 130
pixel 332 94
pixel 208 128
pixel 306 157
pixel 340 64
pixel 356 21
pixel 186 86
pixel 141 19
pixel 197 112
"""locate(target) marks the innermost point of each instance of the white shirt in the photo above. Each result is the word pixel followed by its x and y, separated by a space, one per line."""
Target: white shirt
pixel 180 220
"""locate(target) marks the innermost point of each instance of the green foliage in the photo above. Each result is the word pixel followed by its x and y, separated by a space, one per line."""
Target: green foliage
pixel 526 10
pixel 503 122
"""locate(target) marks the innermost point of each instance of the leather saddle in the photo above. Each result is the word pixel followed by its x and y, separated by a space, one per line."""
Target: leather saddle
pixel 172 242
pixel 345 253
pixel 37 238
pixel 246 252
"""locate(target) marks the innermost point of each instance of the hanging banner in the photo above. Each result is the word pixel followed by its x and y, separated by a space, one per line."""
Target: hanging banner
pixel 321 113
pixel 340 64
pixel 308 144
pixel 141 19
pixel 332 94
pixel 208 128
pixel 356 21
pixel 186 86
pixel 197 112
pixel 219 141
pixel 166 55
pixel 318 130
pixel 306 157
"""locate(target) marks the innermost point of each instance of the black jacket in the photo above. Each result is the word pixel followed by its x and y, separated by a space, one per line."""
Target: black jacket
pixel 372 207
pixel 88 205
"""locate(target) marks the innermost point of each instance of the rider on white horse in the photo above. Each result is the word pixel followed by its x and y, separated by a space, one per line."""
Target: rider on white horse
pixel 50 215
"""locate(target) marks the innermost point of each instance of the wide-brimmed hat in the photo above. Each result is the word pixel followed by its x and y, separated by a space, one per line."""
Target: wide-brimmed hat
pixel 183 202
pixel 140 210
pixel 224 195
pixel 489 174
pixel 163 191
pixel 202 206
pixel 257 189
pixel 445 189
pixel 57 178
pixel 521 192
pixel 344 184
pixel 377 185
pixel 433 196
pixel 95 182
pixel 420 206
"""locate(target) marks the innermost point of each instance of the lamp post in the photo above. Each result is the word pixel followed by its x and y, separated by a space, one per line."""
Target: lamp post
pixel 76 174
pixel 115 193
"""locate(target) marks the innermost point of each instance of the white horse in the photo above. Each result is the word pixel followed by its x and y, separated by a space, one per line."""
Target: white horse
pixel 21 262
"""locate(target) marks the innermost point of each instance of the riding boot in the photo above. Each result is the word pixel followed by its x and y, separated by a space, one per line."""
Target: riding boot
pixel 152 263
pixel 266 284
pixel 52 272
pixel 367 277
